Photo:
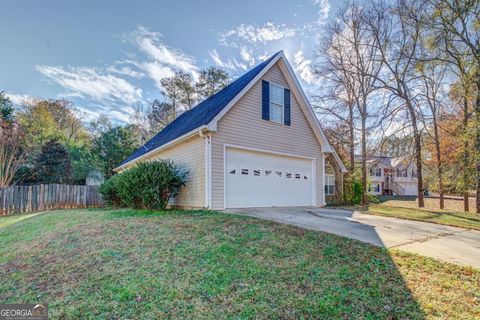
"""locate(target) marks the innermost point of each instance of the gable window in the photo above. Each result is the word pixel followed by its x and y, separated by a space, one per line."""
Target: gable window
pixel 277 103
pixel 329 180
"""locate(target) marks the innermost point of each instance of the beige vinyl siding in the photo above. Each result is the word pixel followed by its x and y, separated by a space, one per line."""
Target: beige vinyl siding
pixel 190 155
pixel 243 126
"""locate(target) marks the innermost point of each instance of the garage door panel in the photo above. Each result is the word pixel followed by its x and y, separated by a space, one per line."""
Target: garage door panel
pixel 255 179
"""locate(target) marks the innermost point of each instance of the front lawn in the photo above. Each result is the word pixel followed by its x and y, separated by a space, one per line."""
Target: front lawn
pixel 404 209
pixel 115 264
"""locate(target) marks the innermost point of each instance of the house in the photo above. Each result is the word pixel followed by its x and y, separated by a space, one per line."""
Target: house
pixel 390 175
pixel 255 143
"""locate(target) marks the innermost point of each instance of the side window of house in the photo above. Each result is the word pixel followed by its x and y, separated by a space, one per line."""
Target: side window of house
pixel 275 103
pixel 402 173
pixel 374 187
pixel 375 172
pixel 329 180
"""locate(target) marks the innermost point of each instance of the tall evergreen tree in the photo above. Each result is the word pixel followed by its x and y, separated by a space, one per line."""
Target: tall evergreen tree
pixel 53 163
pixel 112 146
pixel 6 108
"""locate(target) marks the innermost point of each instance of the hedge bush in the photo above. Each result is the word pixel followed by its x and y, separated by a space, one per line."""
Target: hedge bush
pixel 109 191
pixel 148 185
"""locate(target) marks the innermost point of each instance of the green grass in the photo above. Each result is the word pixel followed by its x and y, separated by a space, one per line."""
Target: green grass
pixel 125 264
pixel 401 210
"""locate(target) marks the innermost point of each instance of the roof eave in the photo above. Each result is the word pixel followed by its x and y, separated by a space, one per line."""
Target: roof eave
pixel 202 128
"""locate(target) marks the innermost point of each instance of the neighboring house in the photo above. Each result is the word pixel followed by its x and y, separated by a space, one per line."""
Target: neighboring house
pixel 390 176
pixel 255 143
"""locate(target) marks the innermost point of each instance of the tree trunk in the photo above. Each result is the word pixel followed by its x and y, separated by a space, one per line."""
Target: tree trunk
pixel 352 143
pixel 364 161
pixel 418 154
pixel 439 161
pixel 477 143
pixel 352 155
pixel 466 206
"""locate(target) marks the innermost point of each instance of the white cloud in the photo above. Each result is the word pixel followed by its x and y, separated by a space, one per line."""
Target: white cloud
pixel 19 99
pixel 162 57
pixel 157 71
pixel 231 63
pixel 303 66
pixel 125 71
pixel 256 34
pixel 247 56
pixel 263 56
pixel 90 83
pixel 323 10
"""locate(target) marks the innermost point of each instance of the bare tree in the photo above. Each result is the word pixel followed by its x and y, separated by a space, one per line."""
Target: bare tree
pixel 456 25
pixel 396 30
pixel 11 153
pixel 352 56
pixel 432 74
pixel 337 100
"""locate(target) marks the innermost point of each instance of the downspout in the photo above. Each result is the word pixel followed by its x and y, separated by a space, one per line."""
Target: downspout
pixel 323 182
pixel 207 154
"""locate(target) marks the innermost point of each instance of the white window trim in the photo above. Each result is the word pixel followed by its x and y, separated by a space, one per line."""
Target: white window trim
pixel 372 187
pixel 329 176
pixel 282 116
pixel 373 172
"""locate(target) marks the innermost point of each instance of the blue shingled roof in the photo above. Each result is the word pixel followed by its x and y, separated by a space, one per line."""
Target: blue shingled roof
pixel 201 114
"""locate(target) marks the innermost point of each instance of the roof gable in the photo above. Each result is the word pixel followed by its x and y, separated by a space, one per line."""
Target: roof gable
pixel 211 110
pixel 199 115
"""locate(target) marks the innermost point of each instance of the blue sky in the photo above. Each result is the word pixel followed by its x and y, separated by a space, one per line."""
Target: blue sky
pixel 108 56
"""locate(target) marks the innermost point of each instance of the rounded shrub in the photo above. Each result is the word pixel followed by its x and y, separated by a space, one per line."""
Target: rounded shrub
pixel 109 191
pixel 148 185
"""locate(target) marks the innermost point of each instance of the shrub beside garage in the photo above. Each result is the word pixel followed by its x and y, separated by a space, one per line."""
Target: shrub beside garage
pixel 148 185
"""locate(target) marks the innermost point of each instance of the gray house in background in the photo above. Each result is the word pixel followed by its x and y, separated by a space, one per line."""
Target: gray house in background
pixel 391 175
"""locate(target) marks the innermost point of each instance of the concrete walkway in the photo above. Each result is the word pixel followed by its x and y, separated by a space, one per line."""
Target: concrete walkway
pixel 455 245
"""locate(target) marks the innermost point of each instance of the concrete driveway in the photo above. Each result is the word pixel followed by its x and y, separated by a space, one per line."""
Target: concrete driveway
pixel 456 245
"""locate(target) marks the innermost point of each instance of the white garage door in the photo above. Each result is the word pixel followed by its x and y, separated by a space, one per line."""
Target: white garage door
pixel 255 179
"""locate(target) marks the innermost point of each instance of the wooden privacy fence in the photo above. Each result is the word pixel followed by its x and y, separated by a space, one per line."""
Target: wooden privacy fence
pixel 19 199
